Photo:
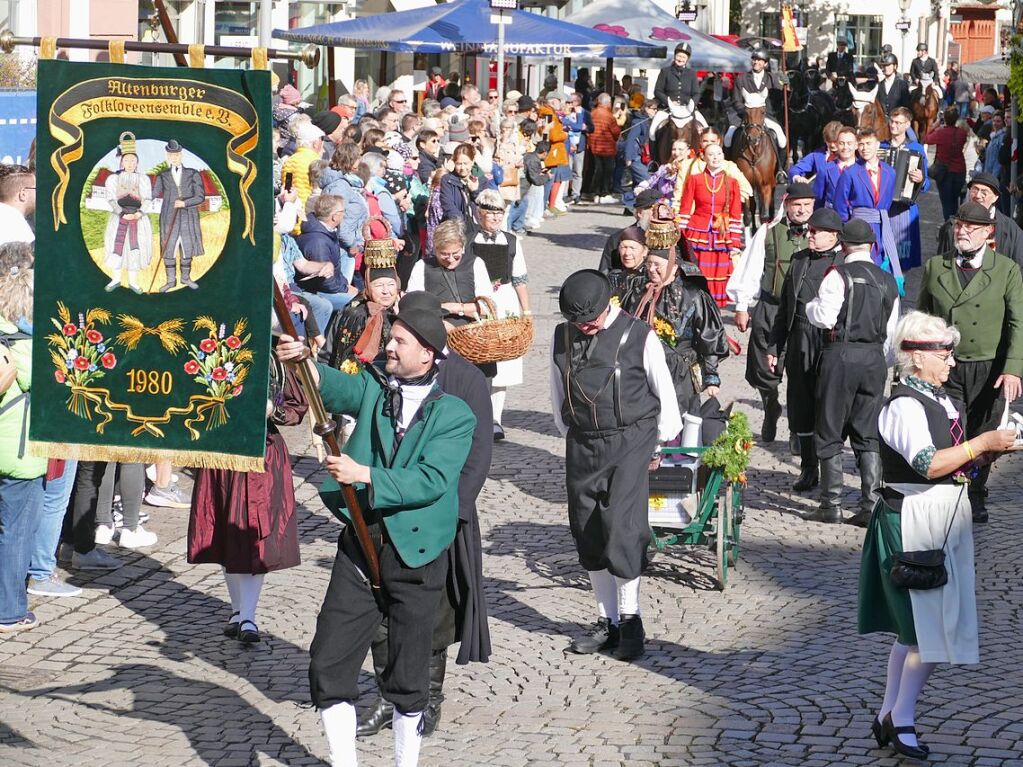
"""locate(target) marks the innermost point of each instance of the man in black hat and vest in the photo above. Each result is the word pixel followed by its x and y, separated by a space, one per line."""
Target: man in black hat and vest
pixel 857 306
pixel 462 613
pixel 403 460
pixel 981 293
pixel 756 285
pixel 182 192
pixel 1007 238
pixel 793 338
pixel 613 399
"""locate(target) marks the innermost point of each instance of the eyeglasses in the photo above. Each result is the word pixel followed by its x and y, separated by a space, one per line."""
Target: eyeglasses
pixel 492 97
pixel 969 228
pixel 943 356
pixel 400 101
pixel 511 111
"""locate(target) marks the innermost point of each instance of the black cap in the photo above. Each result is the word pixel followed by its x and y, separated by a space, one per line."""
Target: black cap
pixel 975 213
pixel 585 295
pixel 420 300
pixel 646 199
pixel 426 326
pixel 172 146
pixel 987 180
pixel 889 58
pixel 327 121
pixel 825 219
pixel 685 48
pixel 526 103
pixel 633 234
pixel 799 190
pixel 921 46
pixel 758 53
pixel 842 41
pixel 857 232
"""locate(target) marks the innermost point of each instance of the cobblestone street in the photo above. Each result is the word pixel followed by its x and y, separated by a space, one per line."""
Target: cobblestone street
pixel 769 672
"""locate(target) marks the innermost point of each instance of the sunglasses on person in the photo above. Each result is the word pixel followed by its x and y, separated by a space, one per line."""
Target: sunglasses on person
pixel 492 96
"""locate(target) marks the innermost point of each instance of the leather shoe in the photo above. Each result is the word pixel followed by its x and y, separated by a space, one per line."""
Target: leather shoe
pixel 231 627
pixel 375 719
pixel 859 519
pixel 604 636
pixel 828 515
pixel 630 638
pixel 891 732
pixel 431 714
pixel 772 412
pixel 248 635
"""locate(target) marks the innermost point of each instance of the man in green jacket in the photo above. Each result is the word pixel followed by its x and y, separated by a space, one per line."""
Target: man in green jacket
pixel 403 459
pixel 981 293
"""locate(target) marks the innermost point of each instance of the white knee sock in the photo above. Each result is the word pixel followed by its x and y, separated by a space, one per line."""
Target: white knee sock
pixel 233 589
pixel 248 596
pixel 133 278
pixel 339 727
pixel 914 676
pixel 497 396
pixel 407 738
pixel 115 277
pixel 605 590
pixel 896 660
pixel 628 595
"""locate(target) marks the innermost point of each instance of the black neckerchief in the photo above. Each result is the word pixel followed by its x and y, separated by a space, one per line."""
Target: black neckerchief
pixel 968 255
pixel 393 398
pixel 797 231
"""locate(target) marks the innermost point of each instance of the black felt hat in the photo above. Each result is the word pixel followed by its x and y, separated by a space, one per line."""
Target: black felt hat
pixel 585 295
pixel 427 326
pixel 646 199
pixel 799 190
pixel 986 179
pixel 420 300
pixel 825 219
pixel 327 121
pixel 857 232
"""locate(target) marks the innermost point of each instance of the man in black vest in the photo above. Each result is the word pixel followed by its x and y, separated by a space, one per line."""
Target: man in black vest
pixel 795 339
pixel 857 305
pixel 613 399
pixel 892 90
pixel 462 612
pixel 756 285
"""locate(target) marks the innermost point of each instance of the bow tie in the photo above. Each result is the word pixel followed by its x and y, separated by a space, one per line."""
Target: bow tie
pixel 797 231
pixel 489 237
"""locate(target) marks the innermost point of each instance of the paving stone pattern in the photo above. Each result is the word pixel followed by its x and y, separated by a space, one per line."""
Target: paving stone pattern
pixel 770 672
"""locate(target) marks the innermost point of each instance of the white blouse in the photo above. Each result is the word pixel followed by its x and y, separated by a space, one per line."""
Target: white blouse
pixel 903 425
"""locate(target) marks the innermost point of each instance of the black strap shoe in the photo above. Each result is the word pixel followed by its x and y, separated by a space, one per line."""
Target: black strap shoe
pixel 630 638
pixel 604 636
pixel 231 627
pixel 890 731
pixel 248 635
pixel 375 719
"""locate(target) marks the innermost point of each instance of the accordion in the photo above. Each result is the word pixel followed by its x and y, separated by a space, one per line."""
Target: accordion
pixel 904 161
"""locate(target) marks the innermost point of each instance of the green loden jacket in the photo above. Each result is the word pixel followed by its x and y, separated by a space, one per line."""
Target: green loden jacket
pixel 988 312
pixel 415 493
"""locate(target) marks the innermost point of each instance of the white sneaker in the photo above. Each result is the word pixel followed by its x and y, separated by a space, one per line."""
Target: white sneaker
pixel 136 539
pixel 104 534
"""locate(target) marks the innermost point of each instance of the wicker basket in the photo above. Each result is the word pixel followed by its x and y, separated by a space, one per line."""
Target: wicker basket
pixel 492 339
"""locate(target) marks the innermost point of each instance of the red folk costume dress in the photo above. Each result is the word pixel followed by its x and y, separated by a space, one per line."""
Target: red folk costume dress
pixel 710 217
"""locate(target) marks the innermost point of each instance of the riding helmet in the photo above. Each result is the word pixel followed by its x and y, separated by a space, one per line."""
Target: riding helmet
pixel 759 53
pixel 921 46
pixel 889 58
pixel 685 48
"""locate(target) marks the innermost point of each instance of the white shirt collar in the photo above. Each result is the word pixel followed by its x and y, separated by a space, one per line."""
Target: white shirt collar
pixel 612 315
pixel 858 256
pixel 973 263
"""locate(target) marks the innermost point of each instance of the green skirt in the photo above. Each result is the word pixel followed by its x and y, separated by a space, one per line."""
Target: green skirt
pixel 882 606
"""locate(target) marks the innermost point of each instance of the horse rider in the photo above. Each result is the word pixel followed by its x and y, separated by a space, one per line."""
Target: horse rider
pixel 924 72
pixel 892 90
pixel 752 90
pixel 840 62
pixel 677 91
pixel 756 285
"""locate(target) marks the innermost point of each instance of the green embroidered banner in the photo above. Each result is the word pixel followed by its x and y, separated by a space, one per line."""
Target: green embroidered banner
pixel 153 264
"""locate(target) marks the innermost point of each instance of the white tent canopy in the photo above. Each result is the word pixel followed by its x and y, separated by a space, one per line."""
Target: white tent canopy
pixel 993 70
pixel 644 20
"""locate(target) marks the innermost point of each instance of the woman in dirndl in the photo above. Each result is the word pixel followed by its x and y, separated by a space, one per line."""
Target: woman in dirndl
pixel 128 237
pixel 926 462
pixel 245 521
pixel 710 217
pixel 501 254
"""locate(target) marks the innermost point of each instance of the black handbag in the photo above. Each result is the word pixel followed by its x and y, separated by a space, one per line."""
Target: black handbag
pixel 922 570
pixel 937 171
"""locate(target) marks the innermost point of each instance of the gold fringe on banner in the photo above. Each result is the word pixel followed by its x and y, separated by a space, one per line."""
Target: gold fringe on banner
pixel 115 48
pixel 196 56
pixel 111 453
pixel 48 47
pixel 260 59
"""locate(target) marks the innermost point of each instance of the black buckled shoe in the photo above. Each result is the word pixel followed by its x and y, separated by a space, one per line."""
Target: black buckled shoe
pixel 604 636
pixel 375 719
pixel 891 732
pixel 630 638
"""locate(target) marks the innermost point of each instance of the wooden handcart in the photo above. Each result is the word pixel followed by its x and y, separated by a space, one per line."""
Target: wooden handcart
pixel 692 504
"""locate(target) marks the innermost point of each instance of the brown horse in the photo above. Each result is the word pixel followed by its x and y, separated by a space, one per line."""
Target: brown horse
pixel 754 155
pixel 925 107
pixel 872 116
pixel 668 132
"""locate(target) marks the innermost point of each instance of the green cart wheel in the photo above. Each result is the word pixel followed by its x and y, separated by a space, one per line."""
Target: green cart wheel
pixel 722 532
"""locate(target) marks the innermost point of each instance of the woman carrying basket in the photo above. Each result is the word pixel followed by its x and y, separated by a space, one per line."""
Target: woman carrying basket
pixel 501 254
pixel 923 509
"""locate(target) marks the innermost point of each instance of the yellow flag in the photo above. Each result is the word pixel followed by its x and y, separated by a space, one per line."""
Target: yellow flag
pixel 789 40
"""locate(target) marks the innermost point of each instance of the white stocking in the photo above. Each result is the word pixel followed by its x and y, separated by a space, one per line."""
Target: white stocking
pixel 896 660
pixel 914 676
pixel 497 397
pixel 628 595
pixel 133 278
pixel 115 276
pixel 407 738
pixel 233 589
pixel 339 727
pixel 248 596
pixel 605 590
